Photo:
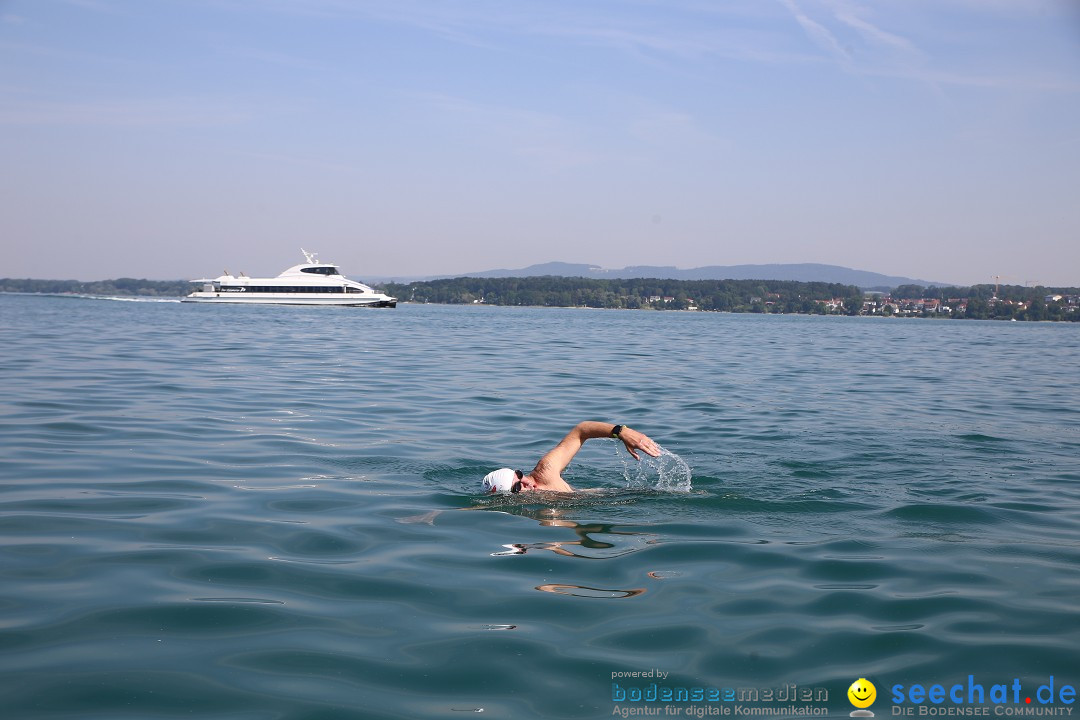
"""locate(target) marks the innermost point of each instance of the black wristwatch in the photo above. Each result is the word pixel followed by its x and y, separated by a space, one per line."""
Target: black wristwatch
pixel 616 430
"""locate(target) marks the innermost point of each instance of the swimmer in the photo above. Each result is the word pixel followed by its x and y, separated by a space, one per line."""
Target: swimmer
pixel 547 475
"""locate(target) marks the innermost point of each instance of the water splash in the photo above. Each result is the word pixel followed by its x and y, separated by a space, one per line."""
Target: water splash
pixel 667 473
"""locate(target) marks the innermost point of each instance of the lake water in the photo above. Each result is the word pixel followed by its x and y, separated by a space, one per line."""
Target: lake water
pixel 271 512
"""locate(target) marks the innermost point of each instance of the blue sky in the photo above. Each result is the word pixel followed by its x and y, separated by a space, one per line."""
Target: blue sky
pixel 937 139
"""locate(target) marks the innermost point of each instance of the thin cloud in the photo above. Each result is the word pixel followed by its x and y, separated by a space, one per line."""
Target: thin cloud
pixel 876 34
pixel 648 31
pixel 545 140
pixel 272 57
pixel 154 112
pixel 98 6
pixel 870 50
pixel 299 161
pixel 817 32
pixel 1042 83
pixel 671 128
pixel 689 30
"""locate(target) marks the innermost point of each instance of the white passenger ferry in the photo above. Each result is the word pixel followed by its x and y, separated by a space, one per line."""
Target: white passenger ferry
pixel 311 283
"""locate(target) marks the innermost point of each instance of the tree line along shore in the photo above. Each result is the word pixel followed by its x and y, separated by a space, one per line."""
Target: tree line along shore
pixel 751 296
pixel 1005 302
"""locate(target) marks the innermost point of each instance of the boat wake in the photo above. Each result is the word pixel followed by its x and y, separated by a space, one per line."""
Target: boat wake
pixel 117 298
pixel 114 298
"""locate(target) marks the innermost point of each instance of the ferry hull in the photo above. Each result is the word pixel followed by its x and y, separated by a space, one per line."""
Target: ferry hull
pixel 232 299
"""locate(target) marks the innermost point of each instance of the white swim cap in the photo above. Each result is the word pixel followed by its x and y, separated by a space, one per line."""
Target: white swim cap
pixel 499 481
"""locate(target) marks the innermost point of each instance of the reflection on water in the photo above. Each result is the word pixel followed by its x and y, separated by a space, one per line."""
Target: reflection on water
pixel 663 574
pixel 585 546
pixel 615 543
pixel 588 592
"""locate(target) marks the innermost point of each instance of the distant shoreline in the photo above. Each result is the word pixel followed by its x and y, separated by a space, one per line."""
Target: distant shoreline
pixel 789 297
pixel 982 302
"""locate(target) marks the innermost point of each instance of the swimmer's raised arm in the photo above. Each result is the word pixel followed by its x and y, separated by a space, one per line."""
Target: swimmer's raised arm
pixel 547 475
pixel 549 468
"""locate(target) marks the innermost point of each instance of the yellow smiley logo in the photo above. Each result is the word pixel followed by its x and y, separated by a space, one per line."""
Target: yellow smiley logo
pixel 862 693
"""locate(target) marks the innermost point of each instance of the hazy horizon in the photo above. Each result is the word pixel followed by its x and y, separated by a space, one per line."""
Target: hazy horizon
pixel 414 138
